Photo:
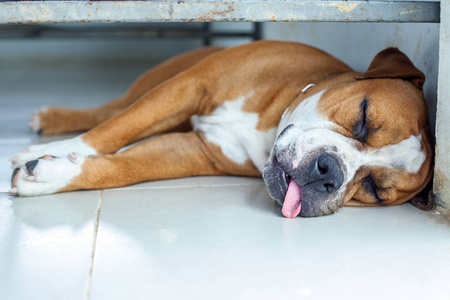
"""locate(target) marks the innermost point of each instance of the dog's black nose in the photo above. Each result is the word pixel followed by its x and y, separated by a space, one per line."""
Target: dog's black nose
pixel 326 175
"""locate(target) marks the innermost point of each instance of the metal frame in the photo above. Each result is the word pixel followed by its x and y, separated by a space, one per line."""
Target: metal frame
pixel 135 31
pixel 37 12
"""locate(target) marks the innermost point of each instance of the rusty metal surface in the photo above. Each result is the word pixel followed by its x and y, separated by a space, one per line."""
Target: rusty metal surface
pixel 35 12
pixel 442 166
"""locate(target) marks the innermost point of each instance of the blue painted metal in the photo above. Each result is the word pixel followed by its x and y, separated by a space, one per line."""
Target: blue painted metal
pixel 36 12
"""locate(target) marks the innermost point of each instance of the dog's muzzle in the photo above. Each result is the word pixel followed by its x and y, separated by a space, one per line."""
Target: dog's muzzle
pixel 312 188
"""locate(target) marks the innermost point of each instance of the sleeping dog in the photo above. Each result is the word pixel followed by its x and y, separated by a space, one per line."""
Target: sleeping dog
pixel 320 134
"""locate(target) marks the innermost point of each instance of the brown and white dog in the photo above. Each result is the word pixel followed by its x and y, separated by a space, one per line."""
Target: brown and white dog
pixel 320 134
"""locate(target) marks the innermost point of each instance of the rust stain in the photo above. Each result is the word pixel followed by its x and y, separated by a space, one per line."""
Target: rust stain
pixel 439 186
pixel 345 7
pixel 218 13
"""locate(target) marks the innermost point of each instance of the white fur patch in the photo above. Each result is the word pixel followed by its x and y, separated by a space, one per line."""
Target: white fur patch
pixel 48 176
pixel 235 132
pixel 407 155
pixel 58 148
pixel 305 115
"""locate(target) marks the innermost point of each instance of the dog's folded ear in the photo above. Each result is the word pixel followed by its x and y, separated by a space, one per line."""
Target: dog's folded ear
pixel 392 63
pixel 425 199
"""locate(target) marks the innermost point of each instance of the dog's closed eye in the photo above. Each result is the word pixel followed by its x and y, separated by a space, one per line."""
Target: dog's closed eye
pixel 361 127
pixel 370 187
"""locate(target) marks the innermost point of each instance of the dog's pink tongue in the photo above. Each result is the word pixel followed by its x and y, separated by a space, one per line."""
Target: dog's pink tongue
pixel 292 205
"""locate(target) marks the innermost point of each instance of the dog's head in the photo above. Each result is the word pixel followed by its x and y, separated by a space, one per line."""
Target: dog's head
pixel 357 139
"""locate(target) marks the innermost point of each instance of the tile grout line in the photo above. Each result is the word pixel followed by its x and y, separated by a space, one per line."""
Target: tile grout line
pixel 94 242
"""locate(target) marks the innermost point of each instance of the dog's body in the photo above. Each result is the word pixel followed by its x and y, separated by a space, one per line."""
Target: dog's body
pixel 321 134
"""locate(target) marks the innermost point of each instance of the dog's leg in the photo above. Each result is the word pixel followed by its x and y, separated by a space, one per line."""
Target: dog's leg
pixel 55 120
pixel 185 126
pixel 163 108
pixel 167 156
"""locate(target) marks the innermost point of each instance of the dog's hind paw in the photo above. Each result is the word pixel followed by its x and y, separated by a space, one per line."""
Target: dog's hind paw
pixel 45 175
pixel 35 120
pixel 53 120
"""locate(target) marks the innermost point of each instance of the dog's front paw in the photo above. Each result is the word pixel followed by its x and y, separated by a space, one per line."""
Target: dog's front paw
pixel 56 149
pixel 45 175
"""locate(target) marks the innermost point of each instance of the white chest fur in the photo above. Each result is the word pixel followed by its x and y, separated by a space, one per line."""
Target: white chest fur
pixel 235 132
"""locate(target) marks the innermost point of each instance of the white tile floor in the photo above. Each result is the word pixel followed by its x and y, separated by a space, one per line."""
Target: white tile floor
pixel 196 238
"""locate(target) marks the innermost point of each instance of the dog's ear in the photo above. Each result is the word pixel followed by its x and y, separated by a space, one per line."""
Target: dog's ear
pixel 391 63
pixel 425 199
